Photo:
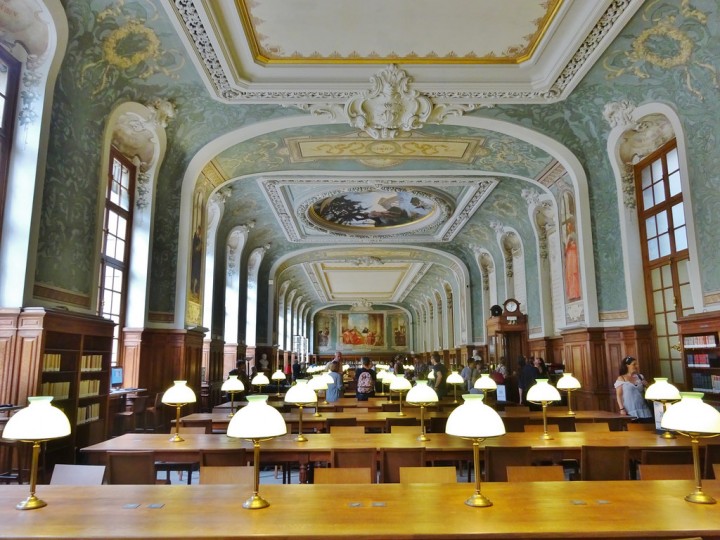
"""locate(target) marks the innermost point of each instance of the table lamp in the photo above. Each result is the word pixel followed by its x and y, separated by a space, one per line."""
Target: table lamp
pixel 568 383
pixel 277 377
pixel 381 377
pixel 387 380
pixel 663 392
pixel 300 394
pixel 318 384
pixel 256 422
pixel 260 380
pixel 178 395
pixel 38 422
pixel 475 421
pixel 456 380
pixel 400 384
pixel 328 381
pixel 486 384
pixel 693 418
pixel 423 395
pixel 231 386
pixel 431 374
pixel 543 393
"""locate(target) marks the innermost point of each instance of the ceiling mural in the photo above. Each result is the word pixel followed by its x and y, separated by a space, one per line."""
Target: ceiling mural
pixel 432 192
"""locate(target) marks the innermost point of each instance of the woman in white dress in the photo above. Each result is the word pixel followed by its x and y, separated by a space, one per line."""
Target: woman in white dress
pixel 630 389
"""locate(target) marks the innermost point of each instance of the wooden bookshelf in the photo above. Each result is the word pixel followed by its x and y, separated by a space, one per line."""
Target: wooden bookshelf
pixel 699 337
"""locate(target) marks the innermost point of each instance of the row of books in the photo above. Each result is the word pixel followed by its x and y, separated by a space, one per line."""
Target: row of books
pixel 89 387
pixel 91 362
pixel 703 360
pixel 88 414
pixel 700 342
pixel 51 362
pixel 705 382
pixel 59 390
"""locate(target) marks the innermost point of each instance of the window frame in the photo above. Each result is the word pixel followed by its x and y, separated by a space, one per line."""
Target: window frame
pixel 7 129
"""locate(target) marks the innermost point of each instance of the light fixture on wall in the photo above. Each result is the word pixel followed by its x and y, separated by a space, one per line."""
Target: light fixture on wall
pixel 569 384
pixel 256 422
pixel 300 394
pixel 422 395
pixel 178 395
pixel 232 386
pixel 475 421
pixel 39 422
pixel 543 393
pixel 697 420
pixel 663 392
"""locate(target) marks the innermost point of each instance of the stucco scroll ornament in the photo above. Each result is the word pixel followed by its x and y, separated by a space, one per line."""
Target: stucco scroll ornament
pixel 389 107
pixel 162 111
pixel 619 113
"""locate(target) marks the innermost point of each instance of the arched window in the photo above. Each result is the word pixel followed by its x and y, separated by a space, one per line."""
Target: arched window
pixel 9 84
pixel 115 248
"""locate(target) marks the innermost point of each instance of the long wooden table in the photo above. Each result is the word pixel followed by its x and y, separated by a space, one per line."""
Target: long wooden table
pixel 375 420
pixel 318 447
pixel 597 510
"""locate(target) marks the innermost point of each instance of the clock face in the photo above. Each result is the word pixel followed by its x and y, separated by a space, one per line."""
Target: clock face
pixel 511 306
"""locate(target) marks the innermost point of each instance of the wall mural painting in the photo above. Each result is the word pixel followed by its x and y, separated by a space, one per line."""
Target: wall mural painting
pixel 325 339
pixel 398 330
pixel 197 253
pixel 570 249
pixel 362 330
pixel 373 209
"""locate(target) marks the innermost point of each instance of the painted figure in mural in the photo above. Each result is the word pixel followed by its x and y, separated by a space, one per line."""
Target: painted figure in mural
pixel 572 263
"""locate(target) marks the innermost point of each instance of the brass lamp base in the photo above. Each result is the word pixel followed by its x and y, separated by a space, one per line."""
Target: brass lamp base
pixel 423 437
pixel 700 497
pixel 301 438
pixel 255 503
pixel 668 435
pixel 176 438
pixel 546 437
pixel 478 500
pixel 33 502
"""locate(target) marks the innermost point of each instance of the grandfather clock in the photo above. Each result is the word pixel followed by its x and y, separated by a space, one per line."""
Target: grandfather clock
pixel 507 333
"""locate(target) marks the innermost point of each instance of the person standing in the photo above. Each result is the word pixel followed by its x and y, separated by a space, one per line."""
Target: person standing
pixel 335 390
pixel 469 374
pixel 630 389
pixel 365 378
pixel 440 375
pixel 527 376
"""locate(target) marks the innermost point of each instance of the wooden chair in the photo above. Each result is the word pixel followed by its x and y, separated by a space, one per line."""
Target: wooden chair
pixel 564 423
pixel 131 468
pixel 391 459
pixel 428 475
pixel 712 456
pixel 77 475
pixel 412 430
pixel 532 473
pixel 665 472
pixel 242 474
pixel 343 475
pixel 133 419
pixel 400 421
pixel 182 467
pixel 436 424
pixel 221 458
pixel 604 462
pixel 347 430
pixel 592 427
pixel 666 456
pixel 355 457
pixel 497 459
pixel 538 428
pixel 390 407
pixel 514 424
pixel 332 422
pixel 153 413
pixel 637 426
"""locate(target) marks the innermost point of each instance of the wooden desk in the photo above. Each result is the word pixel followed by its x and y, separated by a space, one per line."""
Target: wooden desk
pixel 318 447
pixel 596 510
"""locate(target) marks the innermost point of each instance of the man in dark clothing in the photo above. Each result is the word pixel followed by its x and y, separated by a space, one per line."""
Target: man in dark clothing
pixel 365 379
pixel 440 375
pixel 526 378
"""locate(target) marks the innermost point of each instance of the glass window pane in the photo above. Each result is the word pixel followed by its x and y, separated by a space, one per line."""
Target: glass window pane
pixel 122 228
pixel 653 249
pixel 660 327
pixel 678 373
pixel 671 326
pixel 682 271
pixel 666 276
pixel 112 222
pixel 646 180
pixel 120 250
pixel 656 279
pixel 669 299
pixel 124 199
pixel 658 301
pixel 110 245
pixel 662 222
pixel 672 160
pixel 650 227
pixel 665 369
pixel 659 190
pixel 116 302
pixel 657 170
pixel 681 238
pixel 663 348
pixel 678 214
pixel 647 198
pixel 685 295
pixel 664 240
pixel 674 183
